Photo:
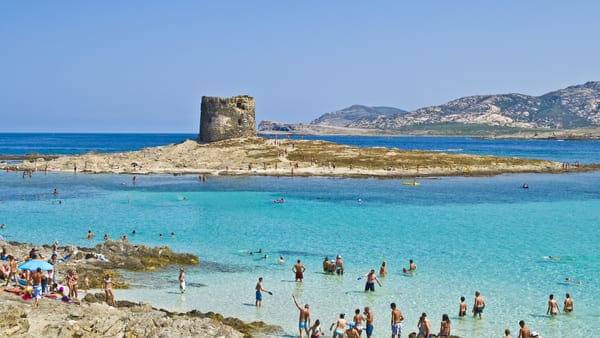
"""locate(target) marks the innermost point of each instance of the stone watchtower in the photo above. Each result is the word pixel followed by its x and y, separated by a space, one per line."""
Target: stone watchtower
pixel 223 118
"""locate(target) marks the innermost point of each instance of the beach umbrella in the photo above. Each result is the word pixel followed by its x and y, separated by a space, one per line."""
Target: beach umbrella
pixel 34 264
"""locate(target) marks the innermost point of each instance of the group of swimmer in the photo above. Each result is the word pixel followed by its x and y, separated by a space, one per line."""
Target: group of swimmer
pixel 90 235
pixel 362 321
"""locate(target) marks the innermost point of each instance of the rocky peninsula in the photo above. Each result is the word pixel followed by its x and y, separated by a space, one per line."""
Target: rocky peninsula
pixel 285 157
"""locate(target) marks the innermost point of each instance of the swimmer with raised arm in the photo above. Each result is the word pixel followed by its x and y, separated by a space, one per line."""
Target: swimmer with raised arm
pixel 303 318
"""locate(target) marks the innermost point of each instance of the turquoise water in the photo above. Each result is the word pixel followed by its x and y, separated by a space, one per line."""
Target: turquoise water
pixel 465 234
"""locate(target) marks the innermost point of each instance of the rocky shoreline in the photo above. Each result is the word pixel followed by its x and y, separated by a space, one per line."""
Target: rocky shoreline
pixel 270 157
pixel 90 316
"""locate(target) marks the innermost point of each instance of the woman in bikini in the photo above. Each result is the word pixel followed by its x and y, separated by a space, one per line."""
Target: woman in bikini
pixel 110 297
pixel 445 326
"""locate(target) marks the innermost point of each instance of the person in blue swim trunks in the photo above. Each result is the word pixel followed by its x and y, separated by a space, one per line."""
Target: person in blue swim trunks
pixel 36 279
pixel 303 319
pixel 259 290
pixel 369 320
pixel 340 326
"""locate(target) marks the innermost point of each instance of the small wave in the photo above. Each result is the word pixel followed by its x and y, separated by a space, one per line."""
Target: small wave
pixel 448 150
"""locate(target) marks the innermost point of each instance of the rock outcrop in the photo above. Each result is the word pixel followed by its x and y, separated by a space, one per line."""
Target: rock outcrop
pixel 108 257
pixel 56 319
pixel 225 118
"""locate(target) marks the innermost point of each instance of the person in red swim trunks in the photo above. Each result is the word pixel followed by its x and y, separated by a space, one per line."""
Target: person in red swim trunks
pixel 299 270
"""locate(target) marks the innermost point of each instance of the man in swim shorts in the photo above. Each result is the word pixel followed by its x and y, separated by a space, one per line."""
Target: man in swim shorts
pixel 303 318
pixel 371 279
pixel 369 320
pixel 478 305
pixel 299 271
pixel 259 290
pixel 36 279
pixel 396 321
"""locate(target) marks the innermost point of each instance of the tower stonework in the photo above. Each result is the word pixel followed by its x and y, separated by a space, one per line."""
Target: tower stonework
pixel 223 118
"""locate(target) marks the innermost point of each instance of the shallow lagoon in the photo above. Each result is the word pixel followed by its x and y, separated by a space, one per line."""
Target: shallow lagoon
pixel 465 234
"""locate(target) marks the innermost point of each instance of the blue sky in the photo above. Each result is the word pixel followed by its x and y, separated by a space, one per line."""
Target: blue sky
pixel 142 66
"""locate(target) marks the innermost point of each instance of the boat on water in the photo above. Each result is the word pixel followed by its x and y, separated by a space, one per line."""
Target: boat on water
pixel 412 183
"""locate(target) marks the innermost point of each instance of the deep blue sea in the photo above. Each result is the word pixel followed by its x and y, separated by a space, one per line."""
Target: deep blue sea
pixel 566 151
pixel 465 234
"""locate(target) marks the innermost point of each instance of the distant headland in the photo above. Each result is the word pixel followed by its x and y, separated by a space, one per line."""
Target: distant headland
pixel 569 113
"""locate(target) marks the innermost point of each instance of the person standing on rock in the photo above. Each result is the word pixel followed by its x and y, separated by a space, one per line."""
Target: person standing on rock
pixel 259 290
pixel 72 280
pixel 12 270
pixel 108 292
pixel 182 280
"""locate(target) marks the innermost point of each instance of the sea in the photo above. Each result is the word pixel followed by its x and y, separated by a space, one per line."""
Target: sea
pixel 516 246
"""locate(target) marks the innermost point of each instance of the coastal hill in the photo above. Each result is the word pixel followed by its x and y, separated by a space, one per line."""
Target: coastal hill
pixel 348 116
pixel 339 119
pixel 271 157
pixel 569 108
